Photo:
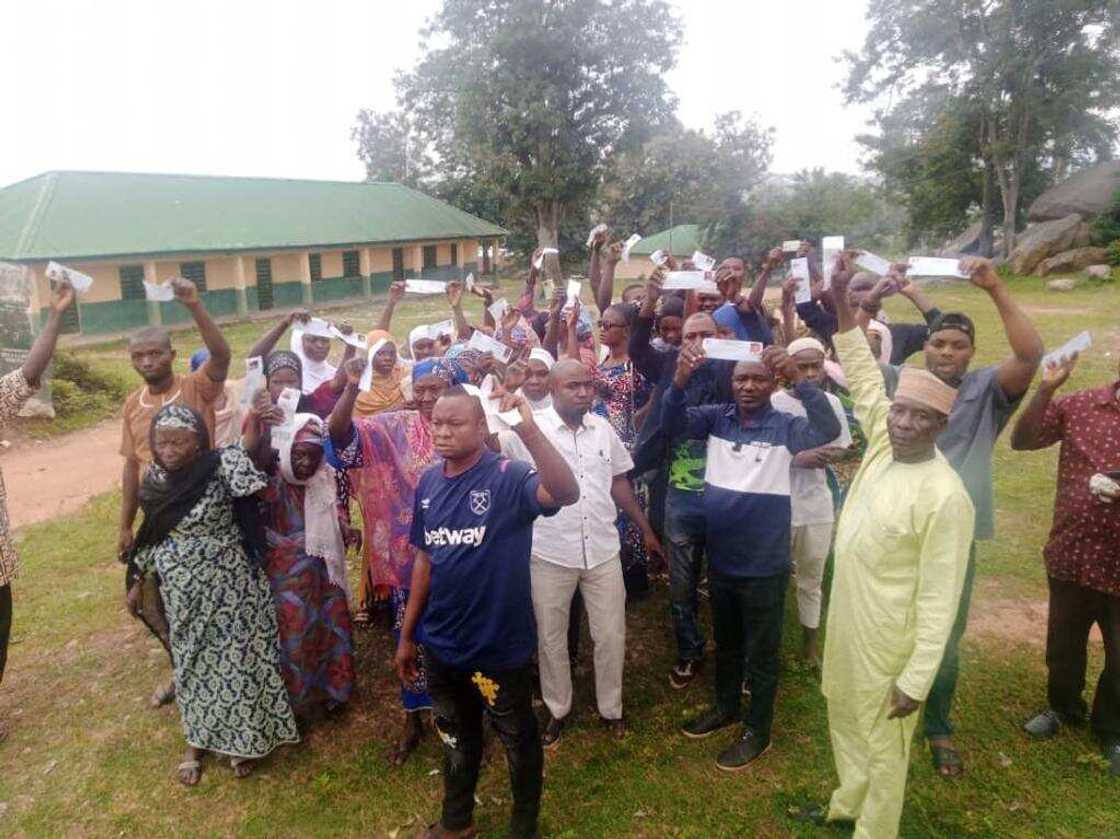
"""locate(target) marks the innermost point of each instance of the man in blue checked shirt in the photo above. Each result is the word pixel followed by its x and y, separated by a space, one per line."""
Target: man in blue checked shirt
pixel 747 510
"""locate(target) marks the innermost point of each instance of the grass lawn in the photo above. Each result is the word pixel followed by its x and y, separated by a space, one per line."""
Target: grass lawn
pixel 86 757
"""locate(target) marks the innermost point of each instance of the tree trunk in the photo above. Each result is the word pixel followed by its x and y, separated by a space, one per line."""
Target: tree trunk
pixel 986 245
pixel 548 236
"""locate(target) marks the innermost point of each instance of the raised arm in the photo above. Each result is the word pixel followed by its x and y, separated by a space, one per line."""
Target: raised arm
pixel 558 487
pixel 267 342
pixel 1014 374
pixel 646 359
pixel 865 379
pixel 341 420
pixel 396 294
pixel 43 349
pixel 217 365
pixel 612 255
pixel 1040 423
pixel 455 300
pixel 594 267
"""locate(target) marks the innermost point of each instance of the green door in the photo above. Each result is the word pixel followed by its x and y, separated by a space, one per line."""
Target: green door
pixel 264 284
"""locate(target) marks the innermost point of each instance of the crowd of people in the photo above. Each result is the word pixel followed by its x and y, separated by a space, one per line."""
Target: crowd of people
pixel 504 497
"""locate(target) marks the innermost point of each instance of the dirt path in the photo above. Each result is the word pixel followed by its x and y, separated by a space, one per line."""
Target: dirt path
pixel 48 478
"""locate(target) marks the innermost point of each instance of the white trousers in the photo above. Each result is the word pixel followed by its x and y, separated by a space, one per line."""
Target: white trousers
pixel 809 546
pixel 604 598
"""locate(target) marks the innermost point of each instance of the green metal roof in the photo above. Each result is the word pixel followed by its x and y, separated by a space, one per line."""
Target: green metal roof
pixel 90 214
pixel 681 240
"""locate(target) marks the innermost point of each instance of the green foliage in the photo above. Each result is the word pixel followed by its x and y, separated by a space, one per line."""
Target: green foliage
pixel 1114 253
pixel 79 388
pixel 1106 227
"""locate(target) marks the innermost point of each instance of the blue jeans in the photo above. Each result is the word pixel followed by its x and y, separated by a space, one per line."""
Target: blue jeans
pixel 686 533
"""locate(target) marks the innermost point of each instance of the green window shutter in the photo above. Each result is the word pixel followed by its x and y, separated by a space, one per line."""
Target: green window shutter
pixel 351 265
pixel 132 282
pixel 316 262
pixel 429 256
pixel 454 253
pixel 195 272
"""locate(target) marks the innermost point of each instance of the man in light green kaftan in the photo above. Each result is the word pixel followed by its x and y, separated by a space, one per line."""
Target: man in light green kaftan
pixel 902 547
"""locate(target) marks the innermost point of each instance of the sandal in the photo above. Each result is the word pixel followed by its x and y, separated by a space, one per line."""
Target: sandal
pixel 190 772
pixel 242 766
pixel 946 761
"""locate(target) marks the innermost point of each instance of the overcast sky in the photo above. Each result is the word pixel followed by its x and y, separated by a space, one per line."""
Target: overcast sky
pixel 272 88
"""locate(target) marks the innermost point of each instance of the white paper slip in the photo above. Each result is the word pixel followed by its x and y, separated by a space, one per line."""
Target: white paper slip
pixel 484 343
pixel 441 328
pixel 830 247
pixel 490 405
pixel 932 266
pixel 288 403
pixel 875 264
pixel 353 339
pixel 162 293
pixel 366 381
pixel 470 282
pixel 595 231
pixel 1077 344
pixel 425 287
pixel 659 258
pixel 726 349
pixel 254 381
pixel 498 309
pixel 689 281
pixel 791 245
pixel 78 281
pixel 573 291
pixel 702 261
pixel 539 261
pixel 629 245
pixel 799 268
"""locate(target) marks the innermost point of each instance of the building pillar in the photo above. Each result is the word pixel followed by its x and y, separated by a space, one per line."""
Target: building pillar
pixel 486 264
pixel 418 260
pixel 365 262
pixel 155 317
pixel 305 279
pixel 241 287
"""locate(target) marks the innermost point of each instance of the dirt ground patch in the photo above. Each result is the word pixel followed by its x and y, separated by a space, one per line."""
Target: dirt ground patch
pixel 993 616
pixel 49 478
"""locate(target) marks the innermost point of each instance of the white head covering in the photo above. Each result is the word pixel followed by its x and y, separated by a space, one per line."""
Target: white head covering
pixel 805 343
pixel 321 529
pixel 886 343
pixel 314 372
pixel 543 356
pixel 418 333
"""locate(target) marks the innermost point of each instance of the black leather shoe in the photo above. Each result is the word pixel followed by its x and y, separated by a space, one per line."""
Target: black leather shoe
pixel 743 752
pixel 551 736
pixel 707 723
pixel 1043 725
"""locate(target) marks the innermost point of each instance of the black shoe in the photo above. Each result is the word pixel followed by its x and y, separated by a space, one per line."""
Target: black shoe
pixel 1043 725
pixel 551 736
pixel 684 671
pixel 743 751
pixel 1112 755
pixel 817 814
pixel 707 723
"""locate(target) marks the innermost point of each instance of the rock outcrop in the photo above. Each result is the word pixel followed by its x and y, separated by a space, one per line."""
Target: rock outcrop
pixel 1088 193
pixel 1041 241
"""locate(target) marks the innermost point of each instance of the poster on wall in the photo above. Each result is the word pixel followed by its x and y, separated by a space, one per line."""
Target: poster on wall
pixel 17 334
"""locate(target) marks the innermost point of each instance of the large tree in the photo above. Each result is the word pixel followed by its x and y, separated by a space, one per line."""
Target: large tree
pixel 1039 77
pixel 530 99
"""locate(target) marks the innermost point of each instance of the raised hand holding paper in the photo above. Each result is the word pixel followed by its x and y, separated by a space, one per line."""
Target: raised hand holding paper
pixel 702 261
pixel 254 381
pixel 595 231
pixel 425 287
pixel 353 339
pixel 539 261
pixel 484 343
pixel 932 266
pixel 830 247
pixel 441 328
pixel 799 269
pixel 366 381
pixel 162 293
pixel 288 403
pixel 875 264
pixel 659 258
pixel 573 291
pixel 78 281
pixel 470 282
pixel 689 281
pixel 1077 344
pixel 633 240
pixel 726 349
pixel 498 309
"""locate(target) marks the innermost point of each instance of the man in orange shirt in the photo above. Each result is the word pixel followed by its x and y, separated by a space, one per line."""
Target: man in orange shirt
pixel 152 357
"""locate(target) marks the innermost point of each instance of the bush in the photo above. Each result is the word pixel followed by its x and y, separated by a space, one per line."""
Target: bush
pixel 1114 253
pixel 78 389
pixel 1106 227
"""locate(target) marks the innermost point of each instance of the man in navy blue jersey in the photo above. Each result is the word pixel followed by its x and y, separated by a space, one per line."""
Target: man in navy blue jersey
pixel 471 605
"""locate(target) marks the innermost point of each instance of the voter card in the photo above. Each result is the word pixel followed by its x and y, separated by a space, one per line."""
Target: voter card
pixel 498 309
pixel 366 381
pixel 702 261
pixel 440 328
pixel 791 246
pixel 78 281
pixel 689 281
pixel 484 343
pixel 288 403
pixel 1077 344
pixel 425 287
pixel 254 381
pixel 932 266
pixel 875 264
pixel 831 246
pixel 539 261
pixel 629 245
pixel 799 268
pixel 161 293
pixel 659 258
pixel 490 405
pixel 573 291
pixel 726 349
pixel 595 231
pixel 353 339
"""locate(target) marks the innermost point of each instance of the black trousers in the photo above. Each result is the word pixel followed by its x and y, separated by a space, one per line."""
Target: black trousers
pixel 1073 611
pixel 747 617
pixel 459 699
pixel 5 625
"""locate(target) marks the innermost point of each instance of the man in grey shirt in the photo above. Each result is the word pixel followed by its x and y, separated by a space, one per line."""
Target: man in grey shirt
pixel 986 399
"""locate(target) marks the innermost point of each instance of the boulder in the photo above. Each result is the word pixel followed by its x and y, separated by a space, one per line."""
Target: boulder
pixel 1064 284
pixel 1040 241
pixel 1073 260
pixel 1084 236
pixel 966 243
pixel 1099 272
pixel 1088 193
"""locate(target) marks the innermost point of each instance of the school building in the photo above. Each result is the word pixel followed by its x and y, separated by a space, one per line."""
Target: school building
pixel 681 241
pixel 249 244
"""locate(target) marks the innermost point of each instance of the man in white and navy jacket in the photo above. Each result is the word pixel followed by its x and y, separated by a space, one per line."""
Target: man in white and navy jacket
pixel 747 509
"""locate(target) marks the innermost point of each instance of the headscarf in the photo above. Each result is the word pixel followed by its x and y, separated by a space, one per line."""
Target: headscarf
pixel 805 343
pixel 886 343
pixel 384 392
pixel 198 358
pixel 543 356
pixel 321 529
pixel 283 360
pixel 418 333
pixel 471 362
pixel 450 370
pixel 315 373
